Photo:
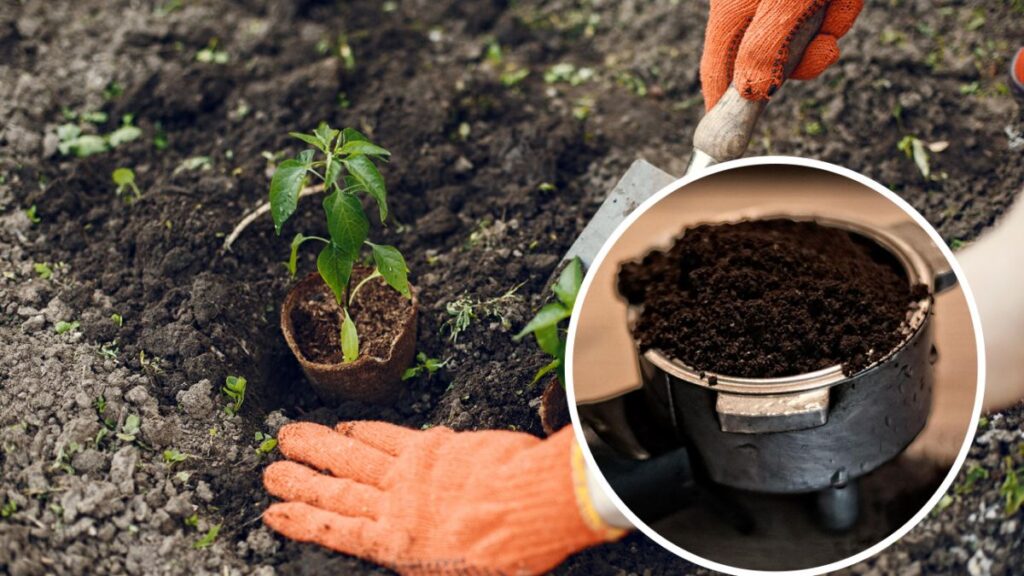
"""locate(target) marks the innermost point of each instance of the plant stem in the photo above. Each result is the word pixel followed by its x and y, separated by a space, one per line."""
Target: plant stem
pixel 352 295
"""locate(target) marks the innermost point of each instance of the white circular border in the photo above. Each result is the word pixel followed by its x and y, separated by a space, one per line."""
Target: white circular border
pixel 789 161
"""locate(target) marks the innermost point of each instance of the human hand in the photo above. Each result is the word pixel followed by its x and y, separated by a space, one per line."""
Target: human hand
pixel 995 283
pixel 747 43
pixel 435 501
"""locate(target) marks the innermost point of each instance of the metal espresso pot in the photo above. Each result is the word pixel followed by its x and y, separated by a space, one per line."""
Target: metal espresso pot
pixel 809 433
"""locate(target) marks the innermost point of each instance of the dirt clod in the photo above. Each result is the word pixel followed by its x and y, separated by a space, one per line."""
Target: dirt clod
pixel 770 298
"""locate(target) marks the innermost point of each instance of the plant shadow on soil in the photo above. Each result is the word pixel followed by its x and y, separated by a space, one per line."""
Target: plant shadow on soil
pixel 470 156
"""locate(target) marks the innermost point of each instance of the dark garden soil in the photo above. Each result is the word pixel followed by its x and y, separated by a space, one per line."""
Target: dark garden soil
pixel 377 311
pixel 493 175
pixel 769 298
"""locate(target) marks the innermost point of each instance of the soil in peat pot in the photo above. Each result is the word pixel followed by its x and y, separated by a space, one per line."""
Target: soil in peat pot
pixel 378 312
pixel 769 298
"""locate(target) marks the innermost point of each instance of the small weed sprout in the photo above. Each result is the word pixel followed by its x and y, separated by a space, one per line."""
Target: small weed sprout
pixel 464 309
pixel 8 509
pixel 974 474
pixel 173 456
pixel 208 539
pixel 265 443
pixel 72 142
pixel 117 319
pixel 346 165
pixel 31 214
pixel 193 164
pixel 546 325
pixel 64 326
pixel 424 363
pixel 211 54
pixel 43 270
pixel 234 389
pixel 130 429
pixel 110 350
pixel 124 178
pixel 915 149
pixel 1012 490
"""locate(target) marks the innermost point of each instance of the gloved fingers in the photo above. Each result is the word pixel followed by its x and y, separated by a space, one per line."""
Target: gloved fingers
pixel 355 536
pixel 764 49
pixel 840 16
pixel 298 483
pixel 323 448
pixel 822 52
pixel 727 21
pixel 387 438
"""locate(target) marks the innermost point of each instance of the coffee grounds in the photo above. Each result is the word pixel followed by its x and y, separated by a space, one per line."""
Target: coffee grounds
pixel 770 298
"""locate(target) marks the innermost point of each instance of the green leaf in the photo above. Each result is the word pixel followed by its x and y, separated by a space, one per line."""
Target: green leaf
pixel 363 147
pixel 547 339
pixel 550 315
pixel 349 339
pixel 569 282
pixel 83 146
pixel 123 134
pixel 331 175
pixel 123 177
pixel 335 267
pixel 546 369
pixel 67 132
pixel 306 157
pixel 325 134
pixel 64 326
pixel 366 173
pixel 412 372
pixel 288 180
pixel 311 140
pixel 207 540
pixel 294 256
pixel 346 222
pixel 352 135
pixel 392 267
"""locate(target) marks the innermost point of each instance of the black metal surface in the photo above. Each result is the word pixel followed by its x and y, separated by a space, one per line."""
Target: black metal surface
pixel 873 416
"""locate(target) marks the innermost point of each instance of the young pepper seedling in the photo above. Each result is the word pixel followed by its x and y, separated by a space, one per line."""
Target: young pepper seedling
pixel 545 326
pixel 345 162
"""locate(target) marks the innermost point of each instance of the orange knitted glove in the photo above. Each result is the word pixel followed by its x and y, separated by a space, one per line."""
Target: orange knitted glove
pixel 747 43
pixel 435 501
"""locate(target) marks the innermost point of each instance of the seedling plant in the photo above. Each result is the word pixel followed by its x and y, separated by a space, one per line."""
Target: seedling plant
pixel 344 161
pixel 548 327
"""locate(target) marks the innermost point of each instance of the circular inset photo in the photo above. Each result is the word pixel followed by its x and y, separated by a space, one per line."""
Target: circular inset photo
pixel 775 366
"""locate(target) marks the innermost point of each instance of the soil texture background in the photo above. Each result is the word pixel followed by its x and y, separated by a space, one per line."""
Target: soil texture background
pixel 508 123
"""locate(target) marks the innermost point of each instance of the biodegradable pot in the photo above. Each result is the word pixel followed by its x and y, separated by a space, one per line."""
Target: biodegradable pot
pixel 554 407
pixel 374 378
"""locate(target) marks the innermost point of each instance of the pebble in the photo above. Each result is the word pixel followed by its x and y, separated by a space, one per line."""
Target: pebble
pixel 979 564
pixel 122 469
pixel 34 324
pixel 196 400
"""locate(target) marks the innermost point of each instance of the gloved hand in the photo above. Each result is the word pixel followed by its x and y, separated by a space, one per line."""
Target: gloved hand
pixel 747 43
pixel 435 501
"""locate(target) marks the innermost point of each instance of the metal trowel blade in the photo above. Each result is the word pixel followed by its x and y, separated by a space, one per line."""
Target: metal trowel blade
pixel 639 183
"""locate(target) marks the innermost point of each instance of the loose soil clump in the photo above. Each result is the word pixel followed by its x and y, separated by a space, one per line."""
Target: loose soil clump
pixel 769 298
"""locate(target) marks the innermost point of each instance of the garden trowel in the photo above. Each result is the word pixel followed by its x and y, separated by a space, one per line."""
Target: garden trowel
pixel 722 134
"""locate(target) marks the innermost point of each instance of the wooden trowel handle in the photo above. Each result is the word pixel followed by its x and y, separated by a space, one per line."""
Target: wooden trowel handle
pixel 726 129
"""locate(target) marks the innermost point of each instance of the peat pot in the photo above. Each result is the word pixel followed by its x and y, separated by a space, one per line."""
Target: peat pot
pixel 812 431
pixel 375 378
